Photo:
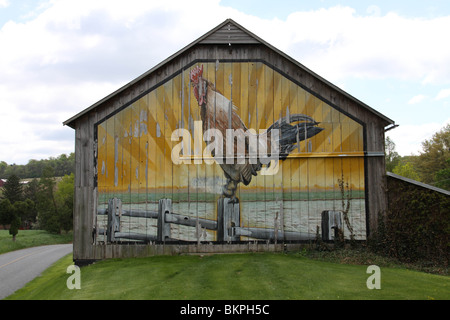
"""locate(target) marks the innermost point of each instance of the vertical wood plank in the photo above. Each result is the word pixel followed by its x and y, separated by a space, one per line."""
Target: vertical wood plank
pixel 246 193
pixel 142 161
pixel 168 125
pixel 128 134
pixel 296 103
pixel 286 109
pixel 192 109
pixel 77 195
pixel 177 170
pixel 153 157
pixel 259 123
pixel 251 210
pixel 279 179
pixel 161 143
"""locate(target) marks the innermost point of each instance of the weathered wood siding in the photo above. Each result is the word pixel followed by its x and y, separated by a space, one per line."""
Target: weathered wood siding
pixel 123 149
pixel 135 154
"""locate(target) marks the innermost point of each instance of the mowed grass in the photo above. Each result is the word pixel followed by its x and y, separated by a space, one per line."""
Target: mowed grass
pixel 252 276
pixel 31 238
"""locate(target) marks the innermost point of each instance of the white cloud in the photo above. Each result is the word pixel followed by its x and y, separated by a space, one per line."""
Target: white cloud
pixel 4 3
pixel 75 52
pixel 337 43
pixel 444 93
pixel 72 53
pixel 416 99
pixel 408 138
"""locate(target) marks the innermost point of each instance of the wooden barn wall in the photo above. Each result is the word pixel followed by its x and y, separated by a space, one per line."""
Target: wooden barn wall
pixel 123 149
pixel 135 148
pixel 85 193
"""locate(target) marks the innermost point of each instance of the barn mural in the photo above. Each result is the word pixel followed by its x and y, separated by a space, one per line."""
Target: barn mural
pixel 291 157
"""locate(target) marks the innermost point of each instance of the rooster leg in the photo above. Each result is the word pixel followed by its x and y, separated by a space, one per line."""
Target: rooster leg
pixel 229 190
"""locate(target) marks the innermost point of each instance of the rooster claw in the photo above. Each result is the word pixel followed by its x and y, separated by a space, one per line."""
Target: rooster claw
pixel 233 200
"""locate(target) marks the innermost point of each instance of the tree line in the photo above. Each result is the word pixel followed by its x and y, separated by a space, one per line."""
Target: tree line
pixel 44 203
pixel 431 166
pixel 61 165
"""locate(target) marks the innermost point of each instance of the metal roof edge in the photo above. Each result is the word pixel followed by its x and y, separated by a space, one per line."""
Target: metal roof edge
pixel 417 183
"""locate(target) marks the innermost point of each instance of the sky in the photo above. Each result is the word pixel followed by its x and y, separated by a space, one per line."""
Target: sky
pixel 59 57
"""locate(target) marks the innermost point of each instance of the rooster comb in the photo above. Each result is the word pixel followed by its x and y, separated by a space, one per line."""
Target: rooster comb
pixel 196 72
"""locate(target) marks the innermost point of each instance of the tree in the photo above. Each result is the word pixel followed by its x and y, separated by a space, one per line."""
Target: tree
pixel 31 191
pixel 443 177
pixel 12 189
pixel 6 212
pixel 406 170
pixel 436 153
pixel 15 225
pixel 61 165
pixel 391 156
pixel 55 202
pixel 64 201
pixel 3 166
pixel 9 215
pixel 25 210
pixel 46 202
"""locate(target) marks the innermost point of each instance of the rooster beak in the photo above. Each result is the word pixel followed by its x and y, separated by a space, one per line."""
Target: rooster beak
pixel 200 87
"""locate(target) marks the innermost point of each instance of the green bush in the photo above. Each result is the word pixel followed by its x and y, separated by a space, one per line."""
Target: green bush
pixel 416 226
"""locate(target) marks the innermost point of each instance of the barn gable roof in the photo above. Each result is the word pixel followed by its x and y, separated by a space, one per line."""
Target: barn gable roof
pixel 228 32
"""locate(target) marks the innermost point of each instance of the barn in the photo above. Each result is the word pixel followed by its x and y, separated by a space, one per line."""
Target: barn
pixel 227 145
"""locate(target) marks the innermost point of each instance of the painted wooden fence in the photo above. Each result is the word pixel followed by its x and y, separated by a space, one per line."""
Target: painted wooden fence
pixel 227 226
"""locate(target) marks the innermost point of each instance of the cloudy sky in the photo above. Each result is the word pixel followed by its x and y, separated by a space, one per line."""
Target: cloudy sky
pixel 59 57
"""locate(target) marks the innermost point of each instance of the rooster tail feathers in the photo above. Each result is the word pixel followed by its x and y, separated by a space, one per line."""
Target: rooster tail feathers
pixel 293 129
pixel 286 121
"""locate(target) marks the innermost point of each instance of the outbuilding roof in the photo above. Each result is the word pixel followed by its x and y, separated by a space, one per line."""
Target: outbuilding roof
pixel 228 32
pixel 417 183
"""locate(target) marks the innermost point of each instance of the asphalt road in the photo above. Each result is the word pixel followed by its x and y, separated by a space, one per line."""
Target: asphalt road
pixel 19 267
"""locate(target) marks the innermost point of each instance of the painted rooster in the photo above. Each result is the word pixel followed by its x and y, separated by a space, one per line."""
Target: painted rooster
pixel 218 112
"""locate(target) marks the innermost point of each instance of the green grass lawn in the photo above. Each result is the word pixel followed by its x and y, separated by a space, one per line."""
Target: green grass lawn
pixel 31 238
pixel 267 276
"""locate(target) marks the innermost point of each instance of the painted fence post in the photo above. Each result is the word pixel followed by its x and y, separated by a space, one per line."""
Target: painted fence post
pixel 114 214
pixel 331 222
pixel 164 208
pixel 228 216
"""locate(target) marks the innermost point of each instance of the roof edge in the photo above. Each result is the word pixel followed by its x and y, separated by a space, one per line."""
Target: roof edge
pixel 70 121
pixel 417 183
pixel 388 120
